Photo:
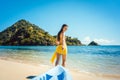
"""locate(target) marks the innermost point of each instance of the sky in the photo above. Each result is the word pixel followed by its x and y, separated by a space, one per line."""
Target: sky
pixel 88 20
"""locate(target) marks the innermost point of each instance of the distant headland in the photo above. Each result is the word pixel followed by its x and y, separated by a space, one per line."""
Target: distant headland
pixel 93 43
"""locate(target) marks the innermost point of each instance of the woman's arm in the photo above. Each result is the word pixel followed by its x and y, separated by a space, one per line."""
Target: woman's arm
pixel 62 40
pixel 57 42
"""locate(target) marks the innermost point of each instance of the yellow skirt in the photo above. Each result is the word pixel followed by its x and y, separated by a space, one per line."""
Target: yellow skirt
pixel 58 50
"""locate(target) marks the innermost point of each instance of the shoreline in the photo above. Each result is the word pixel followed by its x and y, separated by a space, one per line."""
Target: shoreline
pixel 20 71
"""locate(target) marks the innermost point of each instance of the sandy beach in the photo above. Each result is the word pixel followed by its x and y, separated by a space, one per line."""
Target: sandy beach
pixel 20 71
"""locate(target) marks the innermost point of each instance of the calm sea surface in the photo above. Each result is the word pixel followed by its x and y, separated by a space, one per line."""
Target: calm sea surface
pixel 93 59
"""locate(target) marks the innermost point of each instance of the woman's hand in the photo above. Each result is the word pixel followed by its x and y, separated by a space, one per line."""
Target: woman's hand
pixel 63 47
pixel 57 42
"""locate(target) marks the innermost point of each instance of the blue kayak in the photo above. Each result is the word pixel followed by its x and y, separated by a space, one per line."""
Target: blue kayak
pixel 56 73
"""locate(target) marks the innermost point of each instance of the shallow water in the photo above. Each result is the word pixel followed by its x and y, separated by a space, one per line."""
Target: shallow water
pixel 93 59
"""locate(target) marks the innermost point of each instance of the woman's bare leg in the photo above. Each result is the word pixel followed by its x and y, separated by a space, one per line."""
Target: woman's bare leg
pixel 63 60
pixel 58 59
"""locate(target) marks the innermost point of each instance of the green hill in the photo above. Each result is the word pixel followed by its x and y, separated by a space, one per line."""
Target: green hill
pixel 72 41
pixel 25 33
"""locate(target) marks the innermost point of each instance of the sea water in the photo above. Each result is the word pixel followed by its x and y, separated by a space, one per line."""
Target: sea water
pixel 93 59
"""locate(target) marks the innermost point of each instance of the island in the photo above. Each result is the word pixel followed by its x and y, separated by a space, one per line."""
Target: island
pixel 93 43
pixel 25 33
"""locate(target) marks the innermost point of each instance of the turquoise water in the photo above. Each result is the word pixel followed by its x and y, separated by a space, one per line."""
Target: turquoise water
pixel 93 59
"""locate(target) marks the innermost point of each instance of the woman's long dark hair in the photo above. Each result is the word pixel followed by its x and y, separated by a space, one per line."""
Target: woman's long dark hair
pixel 58 35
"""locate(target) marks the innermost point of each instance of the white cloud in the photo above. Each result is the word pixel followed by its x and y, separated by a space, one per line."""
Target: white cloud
pixel 87 40
pixel 103 41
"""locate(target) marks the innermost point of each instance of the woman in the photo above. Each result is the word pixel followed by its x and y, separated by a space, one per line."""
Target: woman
pixel 61 49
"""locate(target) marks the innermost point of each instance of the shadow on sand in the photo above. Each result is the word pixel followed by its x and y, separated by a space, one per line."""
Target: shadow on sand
pixel 30 77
